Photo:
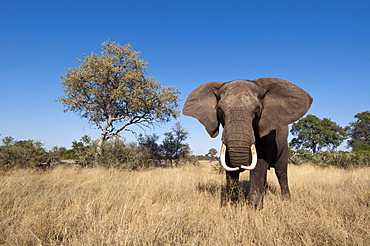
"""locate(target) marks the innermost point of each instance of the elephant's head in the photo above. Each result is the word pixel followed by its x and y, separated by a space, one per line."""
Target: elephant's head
pixel 247 110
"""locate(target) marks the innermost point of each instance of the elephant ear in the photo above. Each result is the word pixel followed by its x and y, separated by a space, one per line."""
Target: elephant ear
pixel 283 103
pixel 202 105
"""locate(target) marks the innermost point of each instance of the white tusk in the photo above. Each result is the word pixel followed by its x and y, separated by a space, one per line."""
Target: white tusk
pixel 254 159
pixel 223 162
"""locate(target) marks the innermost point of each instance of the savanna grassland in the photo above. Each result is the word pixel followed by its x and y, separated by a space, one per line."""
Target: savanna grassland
pixel 180 206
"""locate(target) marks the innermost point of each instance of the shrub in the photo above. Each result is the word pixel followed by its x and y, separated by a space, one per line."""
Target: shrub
pixel 23 154
pixel 125 156
pixel 342 159
pixel 298 157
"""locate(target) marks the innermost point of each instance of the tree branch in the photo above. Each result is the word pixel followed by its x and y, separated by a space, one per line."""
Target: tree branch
pixel 134 120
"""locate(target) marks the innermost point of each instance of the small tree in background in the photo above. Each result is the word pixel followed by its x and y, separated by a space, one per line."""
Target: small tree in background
pixel 173 145
pixel 314 134
pixel 212 153
pixel 112 92
pixel 150 143
pixel 359 132
pixel 82 150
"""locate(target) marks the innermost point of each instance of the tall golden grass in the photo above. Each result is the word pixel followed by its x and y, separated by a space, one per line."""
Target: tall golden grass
pixel 180 206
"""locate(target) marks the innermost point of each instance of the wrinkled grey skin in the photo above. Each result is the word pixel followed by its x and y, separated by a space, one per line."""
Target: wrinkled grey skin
pixel 257 111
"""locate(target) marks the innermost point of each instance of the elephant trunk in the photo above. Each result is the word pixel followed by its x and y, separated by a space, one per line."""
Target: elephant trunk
pixel 238 136
pixel 252 165
pixel 239 153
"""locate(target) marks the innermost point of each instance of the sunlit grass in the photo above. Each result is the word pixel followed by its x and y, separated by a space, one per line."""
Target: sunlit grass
pixel 180 206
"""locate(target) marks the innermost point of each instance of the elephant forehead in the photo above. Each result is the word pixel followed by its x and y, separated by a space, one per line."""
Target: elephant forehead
pixel 233 101
pixel 242 91
pixel 241 86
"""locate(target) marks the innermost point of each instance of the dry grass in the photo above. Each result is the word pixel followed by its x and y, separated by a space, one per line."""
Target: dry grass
pixel 180 206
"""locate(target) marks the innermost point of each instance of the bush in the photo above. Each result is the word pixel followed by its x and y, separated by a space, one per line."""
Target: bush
pixel 125 156
pixel 298 157
pixel 22 154
pixel 338 159
pixel 342 159
pixel 361 159
pixel 182 161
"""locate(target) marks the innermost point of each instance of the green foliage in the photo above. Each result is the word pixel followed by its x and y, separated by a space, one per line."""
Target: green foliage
pixel 298 157
pixel 342 159
pixel 147 152
pixel 123 155
pixel 359 132
pixel 113 93
pixel 172 148
pixel 117 153
pixel 83 151
pixel 212 152
pixel 315 134
pixel 56 154
pixel 173 145
pixel 150 143
pixel 202 157
pixel 23 154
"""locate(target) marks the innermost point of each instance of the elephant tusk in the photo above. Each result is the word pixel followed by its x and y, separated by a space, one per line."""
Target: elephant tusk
pixel 254 159
pixel 223 162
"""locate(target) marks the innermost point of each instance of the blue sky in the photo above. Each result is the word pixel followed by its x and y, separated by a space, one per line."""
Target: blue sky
pixel 322 46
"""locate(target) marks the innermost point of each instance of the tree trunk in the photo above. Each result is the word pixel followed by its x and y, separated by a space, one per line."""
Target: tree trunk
pixel 314 148
pixel 99 147
pixel 103 138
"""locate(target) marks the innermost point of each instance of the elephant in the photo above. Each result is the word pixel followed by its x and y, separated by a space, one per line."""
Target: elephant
pixel 254 115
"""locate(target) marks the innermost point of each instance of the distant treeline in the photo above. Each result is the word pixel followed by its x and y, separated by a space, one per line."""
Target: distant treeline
pixel 146 152
pixel 315 141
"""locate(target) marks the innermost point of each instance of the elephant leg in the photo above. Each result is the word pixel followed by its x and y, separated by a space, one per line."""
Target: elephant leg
pixel 281 171
pixel 258 183
pixel 232 182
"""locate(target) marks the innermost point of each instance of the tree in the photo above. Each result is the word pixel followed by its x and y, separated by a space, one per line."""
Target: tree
pixel 359 132
pixel 173 145
pixel 212 153
pixel 112 92
pixel 315 134
pixel 150 142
